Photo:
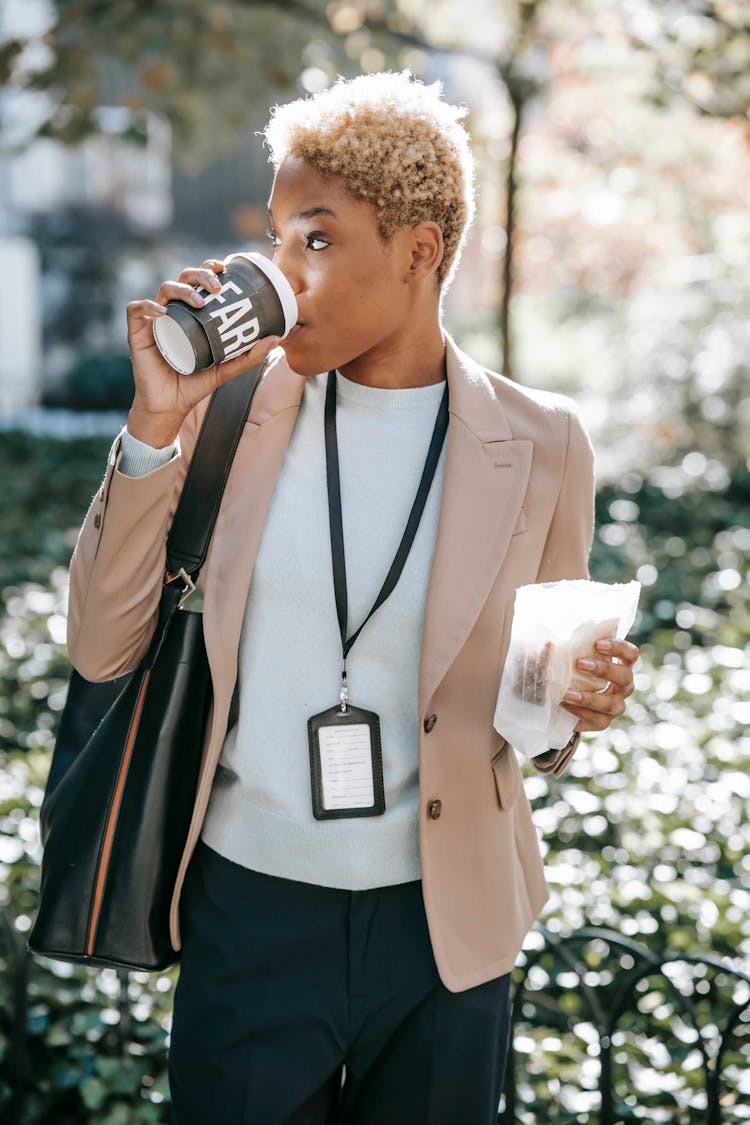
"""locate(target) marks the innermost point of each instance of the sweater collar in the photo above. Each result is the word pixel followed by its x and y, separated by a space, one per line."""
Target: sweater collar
pixel 473 399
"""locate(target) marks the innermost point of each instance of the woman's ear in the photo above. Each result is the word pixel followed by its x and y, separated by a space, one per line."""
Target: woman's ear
pixel 426 250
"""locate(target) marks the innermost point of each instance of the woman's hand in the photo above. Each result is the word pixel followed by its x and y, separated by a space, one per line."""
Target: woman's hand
pixel 164 397
pixel 613 661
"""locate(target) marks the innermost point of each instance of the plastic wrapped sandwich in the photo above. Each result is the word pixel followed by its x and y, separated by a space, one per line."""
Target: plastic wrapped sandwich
pixel 554 625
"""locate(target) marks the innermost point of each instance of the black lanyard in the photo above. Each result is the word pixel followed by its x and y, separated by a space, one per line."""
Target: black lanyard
pixel 337 528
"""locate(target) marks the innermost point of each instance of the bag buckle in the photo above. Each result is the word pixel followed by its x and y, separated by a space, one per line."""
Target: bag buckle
pixel 182 575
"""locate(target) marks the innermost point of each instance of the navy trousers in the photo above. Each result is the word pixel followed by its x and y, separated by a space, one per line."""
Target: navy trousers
pixel 305 1005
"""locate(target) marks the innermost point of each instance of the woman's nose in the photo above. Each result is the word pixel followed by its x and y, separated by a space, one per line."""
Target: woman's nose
pixel 285 261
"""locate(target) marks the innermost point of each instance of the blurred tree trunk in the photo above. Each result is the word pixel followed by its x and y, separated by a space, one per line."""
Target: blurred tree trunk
pixel 511 185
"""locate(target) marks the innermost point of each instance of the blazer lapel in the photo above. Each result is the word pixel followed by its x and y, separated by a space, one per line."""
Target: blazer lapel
pixel 242 516
pixel 486 474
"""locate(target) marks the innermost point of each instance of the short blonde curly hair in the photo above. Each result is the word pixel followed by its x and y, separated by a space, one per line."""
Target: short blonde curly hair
pixel 398 145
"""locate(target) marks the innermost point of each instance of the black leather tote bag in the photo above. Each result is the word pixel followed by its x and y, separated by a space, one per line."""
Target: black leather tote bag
pixel 115 822
pixel 122 784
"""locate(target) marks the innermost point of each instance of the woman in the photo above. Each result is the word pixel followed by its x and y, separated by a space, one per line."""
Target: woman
pixel 346 957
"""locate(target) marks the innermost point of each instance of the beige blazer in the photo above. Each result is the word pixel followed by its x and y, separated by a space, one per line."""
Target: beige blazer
pixel 517 507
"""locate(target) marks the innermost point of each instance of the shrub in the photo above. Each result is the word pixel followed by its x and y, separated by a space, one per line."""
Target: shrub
pixel 647 833
pixel 102 381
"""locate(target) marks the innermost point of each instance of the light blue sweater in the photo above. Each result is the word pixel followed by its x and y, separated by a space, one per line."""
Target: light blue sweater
pixel 260 812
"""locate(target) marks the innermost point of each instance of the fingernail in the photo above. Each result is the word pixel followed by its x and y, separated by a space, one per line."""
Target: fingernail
pixel 196 299
pixel 215 283
pixel 573 696
pixel 587 665
pixel 603 646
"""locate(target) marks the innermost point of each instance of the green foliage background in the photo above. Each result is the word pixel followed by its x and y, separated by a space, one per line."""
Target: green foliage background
pixel 646 834
pixel 628 289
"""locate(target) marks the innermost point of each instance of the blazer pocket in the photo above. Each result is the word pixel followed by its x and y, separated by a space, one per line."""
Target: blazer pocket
pixel 507 774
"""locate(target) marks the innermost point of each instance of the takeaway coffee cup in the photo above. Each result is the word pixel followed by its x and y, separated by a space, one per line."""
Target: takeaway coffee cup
pixel 255 301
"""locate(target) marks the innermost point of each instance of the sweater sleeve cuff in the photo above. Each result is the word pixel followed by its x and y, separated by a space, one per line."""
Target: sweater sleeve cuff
pixel 139 459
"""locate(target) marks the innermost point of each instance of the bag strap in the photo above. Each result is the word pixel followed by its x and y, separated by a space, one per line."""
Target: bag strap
pixel 207 474
pixel 198 506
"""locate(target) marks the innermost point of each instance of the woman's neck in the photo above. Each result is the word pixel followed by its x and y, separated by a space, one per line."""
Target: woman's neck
pixel 418 361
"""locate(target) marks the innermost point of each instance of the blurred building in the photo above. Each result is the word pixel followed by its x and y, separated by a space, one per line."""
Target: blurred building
pixel 86 228
pixel 43 182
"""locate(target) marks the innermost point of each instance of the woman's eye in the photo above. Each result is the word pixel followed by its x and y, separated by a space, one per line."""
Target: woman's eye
pixel 273 238
pixel 315 242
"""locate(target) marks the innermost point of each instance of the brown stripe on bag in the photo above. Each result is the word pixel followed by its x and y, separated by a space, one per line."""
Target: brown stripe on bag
pixel 109 830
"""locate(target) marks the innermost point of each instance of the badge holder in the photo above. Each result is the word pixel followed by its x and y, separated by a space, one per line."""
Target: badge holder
pixel 346 763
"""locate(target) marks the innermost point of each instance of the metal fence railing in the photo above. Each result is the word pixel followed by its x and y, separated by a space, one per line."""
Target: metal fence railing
pixel 661 1036
pixel 636 1035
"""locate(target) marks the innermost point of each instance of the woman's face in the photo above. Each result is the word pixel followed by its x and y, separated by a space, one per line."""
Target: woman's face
pixel 352 288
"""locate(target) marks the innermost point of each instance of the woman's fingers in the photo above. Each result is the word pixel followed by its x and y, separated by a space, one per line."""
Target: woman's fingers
pixel 204 275
pixel 613 662
pixel 186 291
pixel 594 710
pixel 624 651
pixel 206 278
pixel 621 675
pixel 190 280
pixel 140 310
pixel 215 265
pixel 614 666
pixel 140 316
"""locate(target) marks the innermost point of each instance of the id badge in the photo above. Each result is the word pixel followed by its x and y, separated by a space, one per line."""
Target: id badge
pixel 346 764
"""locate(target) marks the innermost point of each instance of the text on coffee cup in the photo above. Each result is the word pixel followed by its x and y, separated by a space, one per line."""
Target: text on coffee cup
pixel 234 327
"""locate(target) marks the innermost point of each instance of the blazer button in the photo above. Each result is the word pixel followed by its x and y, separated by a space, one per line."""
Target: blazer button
pixel 434 808
pixel 429 722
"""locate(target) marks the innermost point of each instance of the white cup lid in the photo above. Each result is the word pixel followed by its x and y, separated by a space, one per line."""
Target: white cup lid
pixel 281 285
pixel 171 340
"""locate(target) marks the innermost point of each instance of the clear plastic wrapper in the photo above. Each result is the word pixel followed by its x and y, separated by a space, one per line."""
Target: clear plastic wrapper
pixel 555 624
